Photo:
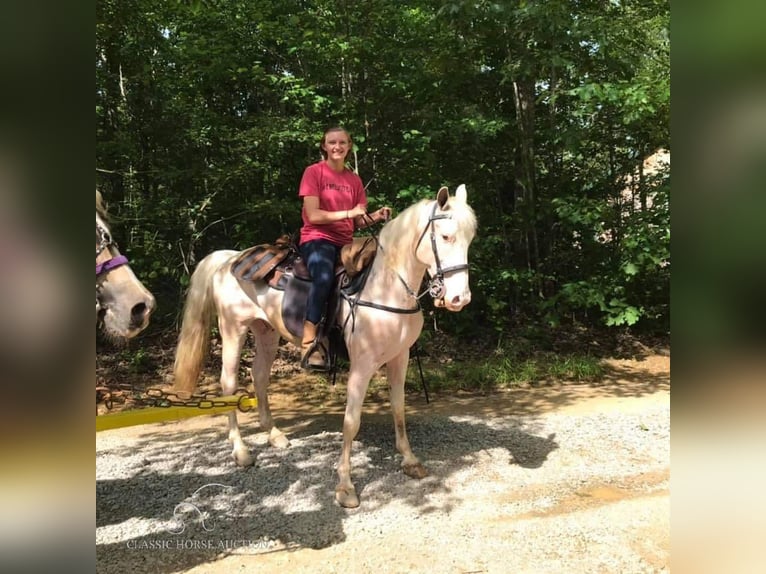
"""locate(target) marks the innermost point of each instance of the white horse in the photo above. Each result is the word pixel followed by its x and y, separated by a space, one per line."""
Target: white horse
pixel 123 304
pixel 429 236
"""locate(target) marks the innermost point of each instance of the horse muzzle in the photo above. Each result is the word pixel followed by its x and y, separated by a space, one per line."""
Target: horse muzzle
pixel 125 321
pixel 455 303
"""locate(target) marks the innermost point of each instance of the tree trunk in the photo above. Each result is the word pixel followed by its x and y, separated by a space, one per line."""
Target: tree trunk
pixel 524 97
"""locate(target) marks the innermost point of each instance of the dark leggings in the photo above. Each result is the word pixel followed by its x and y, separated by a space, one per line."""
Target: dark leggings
pixel 320 257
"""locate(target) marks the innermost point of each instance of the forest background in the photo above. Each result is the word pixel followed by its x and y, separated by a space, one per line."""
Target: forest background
pixel 554 114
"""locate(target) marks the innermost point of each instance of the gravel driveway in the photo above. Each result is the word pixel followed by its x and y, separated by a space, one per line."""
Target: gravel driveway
pixel 519 482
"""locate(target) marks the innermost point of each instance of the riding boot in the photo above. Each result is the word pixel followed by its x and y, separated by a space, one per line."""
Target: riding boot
pixel 313 355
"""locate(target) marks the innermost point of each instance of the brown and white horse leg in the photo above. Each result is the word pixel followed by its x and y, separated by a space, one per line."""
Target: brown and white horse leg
pixel 266 344
pixel 358 380
pixel 232 339
pixel 396 371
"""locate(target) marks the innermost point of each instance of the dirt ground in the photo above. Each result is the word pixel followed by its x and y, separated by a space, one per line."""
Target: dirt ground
pixel 296 397
pixel 631 386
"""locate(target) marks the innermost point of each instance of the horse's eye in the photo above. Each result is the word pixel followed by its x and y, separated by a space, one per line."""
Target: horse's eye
pixel 446 238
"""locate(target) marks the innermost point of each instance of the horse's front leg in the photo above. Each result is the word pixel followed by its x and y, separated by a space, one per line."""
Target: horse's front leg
pixel 266 344
pixel 232 339
pixel 358 379
pixel 396 371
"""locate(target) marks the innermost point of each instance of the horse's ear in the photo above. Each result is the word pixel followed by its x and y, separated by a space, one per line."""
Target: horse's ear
pixel 461 194
pixel 442 196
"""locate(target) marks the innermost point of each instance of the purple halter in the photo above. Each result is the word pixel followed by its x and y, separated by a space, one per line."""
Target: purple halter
pixel 105 240
pixel 112 263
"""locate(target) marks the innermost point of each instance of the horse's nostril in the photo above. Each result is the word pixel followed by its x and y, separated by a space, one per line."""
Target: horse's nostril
pixel 456 300
pixel 138 312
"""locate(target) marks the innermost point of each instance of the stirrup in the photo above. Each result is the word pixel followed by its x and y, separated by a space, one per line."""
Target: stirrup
pixel 315 347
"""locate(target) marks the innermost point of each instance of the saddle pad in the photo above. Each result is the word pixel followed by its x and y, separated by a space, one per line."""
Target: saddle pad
pixel 295 300
pixel 256 263
pixel 294 304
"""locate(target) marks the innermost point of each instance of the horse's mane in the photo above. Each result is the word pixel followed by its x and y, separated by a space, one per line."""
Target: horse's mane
pixel 100 207
pixel 396 235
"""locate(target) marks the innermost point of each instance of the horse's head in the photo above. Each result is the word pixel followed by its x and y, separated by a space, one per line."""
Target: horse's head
pixel 123 304
pixel 450 226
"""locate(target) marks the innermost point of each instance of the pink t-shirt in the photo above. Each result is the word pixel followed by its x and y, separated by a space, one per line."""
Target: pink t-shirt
pixel 336 192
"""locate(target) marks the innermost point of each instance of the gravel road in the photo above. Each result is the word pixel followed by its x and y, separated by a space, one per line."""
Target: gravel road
pixel 567 479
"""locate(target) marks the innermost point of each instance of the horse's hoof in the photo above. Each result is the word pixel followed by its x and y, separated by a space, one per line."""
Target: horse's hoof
pixel 243 458
pixel 416 470
pixel 278 440
pixel 346 497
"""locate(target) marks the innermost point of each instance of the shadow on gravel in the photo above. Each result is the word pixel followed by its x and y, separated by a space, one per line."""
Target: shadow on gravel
pixel 182 492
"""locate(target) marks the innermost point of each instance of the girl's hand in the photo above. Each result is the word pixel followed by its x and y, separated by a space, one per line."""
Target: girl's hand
pixel 382 214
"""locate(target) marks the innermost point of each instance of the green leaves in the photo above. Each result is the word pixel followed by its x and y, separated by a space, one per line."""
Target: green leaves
pixel 207 114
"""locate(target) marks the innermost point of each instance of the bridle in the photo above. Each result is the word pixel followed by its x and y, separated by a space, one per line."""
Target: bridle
pixel 104 241
pixel 435 286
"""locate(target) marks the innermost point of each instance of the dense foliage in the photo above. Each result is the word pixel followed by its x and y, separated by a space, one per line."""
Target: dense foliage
pixel 207 112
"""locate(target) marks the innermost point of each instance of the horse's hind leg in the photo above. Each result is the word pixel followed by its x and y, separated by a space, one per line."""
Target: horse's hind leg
pixel 396 371
pixel 266 344
pixel 232 338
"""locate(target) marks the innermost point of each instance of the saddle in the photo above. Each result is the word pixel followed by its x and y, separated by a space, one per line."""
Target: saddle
pixel 281 267
pixel 258 262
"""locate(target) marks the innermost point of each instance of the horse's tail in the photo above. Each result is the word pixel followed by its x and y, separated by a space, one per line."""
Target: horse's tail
pixel 199 311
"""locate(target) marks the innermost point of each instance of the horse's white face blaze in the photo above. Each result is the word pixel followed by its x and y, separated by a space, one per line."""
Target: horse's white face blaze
pixel 124 305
